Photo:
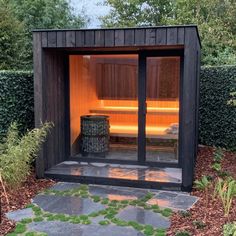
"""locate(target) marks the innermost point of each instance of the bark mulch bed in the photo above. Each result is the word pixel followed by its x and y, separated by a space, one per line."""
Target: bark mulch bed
pixel 18 199
pixel 212 215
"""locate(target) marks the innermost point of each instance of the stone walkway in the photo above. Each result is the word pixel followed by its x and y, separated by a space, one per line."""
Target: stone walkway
pixel 69 209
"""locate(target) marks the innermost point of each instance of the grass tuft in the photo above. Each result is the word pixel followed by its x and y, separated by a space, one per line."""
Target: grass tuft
pixel 38 219
pixel 104 222
pixel 20 228
pixel 26 221
pixel 167 212
pixel 148 230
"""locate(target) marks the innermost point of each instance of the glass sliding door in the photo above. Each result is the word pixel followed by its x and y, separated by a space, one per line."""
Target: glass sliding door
pixel 104 85
pixel 162 108
pixel 139 95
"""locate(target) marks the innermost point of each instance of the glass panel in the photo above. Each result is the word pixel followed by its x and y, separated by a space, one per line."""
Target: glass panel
pixel 162 118
pixel 104 85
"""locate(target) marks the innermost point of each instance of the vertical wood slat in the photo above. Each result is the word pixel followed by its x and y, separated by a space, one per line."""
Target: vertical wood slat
pixel 197 97
pixel 89 38
pixel 129 37
pixel 66 102
pixel 60 109
pixel 44 39
pixel 150 37
pixel 70 38
pixel 109 38
pixel 79 38
pixel 171 36
pixel 188 106
pixel 49 108
pixel 139 37
pixel 52 39
pixel 61 39
pixel 161 36
pixel 99 38
pixel 38 96
pixel 55 70
pixel 119 37
pixel 180 37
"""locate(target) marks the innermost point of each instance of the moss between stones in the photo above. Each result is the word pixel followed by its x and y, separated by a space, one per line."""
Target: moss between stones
pixel 166 212
pixel 113 207
pixel 26 221
pixel 104 222
pixel 11 234
pixel 35 234
pixel 38 219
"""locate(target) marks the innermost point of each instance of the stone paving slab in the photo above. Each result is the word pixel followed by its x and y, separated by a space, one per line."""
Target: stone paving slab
pixel 63 186
pixel 118 171
pixel 173 200
pixel 67 204
pixel 57 228
pixel 117 193
pixel 19 215
pixel 143 216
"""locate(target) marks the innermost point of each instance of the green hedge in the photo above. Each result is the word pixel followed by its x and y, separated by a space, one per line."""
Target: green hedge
pixel 16 100
pixel 217 118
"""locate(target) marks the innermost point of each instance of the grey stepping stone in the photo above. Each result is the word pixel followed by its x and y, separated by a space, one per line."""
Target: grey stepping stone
pixel 184 202
pixel 56 228
pixel 62 186
pixel 144 217
pixel 20 214
pixel 116 193
pixel 67 205
pixel 167 195
pixel 96 220
pixel 173 200
pixel 118 171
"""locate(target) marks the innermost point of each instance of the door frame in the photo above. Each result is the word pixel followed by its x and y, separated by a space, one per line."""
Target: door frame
pixel 142 56
pixel 142 87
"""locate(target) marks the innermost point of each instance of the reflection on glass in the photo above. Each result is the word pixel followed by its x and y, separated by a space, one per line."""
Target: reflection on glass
pixel 104 85
pixel 162 118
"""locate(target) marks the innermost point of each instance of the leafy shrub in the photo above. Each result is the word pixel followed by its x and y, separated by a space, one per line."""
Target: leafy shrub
pixel 216 167
pixel 17 100
pixel 182 233
pixel 199 224
pixel 217 123
pixel 218 155
pixel 230 229
pixel 203 184
pixel 226 190
pixel 17 152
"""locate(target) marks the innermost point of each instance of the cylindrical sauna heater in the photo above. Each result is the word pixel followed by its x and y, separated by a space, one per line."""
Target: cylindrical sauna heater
pixel 94 135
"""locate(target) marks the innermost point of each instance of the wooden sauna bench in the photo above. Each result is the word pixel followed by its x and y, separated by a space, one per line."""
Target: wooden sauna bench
pixel 134 110
pixel 119 130
pixel 132 131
